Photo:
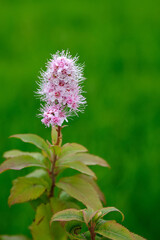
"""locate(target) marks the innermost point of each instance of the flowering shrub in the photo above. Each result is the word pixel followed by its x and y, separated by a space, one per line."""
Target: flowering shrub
pixel 58 214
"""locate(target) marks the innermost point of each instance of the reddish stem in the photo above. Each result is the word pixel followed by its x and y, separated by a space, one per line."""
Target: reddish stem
pixel 59 135
pixel 92 233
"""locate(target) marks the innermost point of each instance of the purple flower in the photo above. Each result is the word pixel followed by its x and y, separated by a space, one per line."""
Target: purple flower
pixel 60 89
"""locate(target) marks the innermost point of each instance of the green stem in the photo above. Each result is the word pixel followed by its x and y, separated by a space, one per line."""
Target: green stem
pixel 53 175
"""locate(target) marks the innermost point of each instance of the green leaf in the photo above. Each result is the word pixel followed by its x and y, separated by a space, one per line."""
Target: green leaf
pixel 42 177
pixel 26 189
pixel 85 158
pixel 17 153
pixel 137 237
pixel 70 204
pixel 81 190
pixel 37 202
pixel 99 238
pixel 14 237
pixel 40 173
pixel 41 228
pixel 57 150
pixel 76 237
pixel 54 135
pixel 65 196
pixel 101 221
pixel 20 162
pixel 79 166
pixel 72 148
pixel 114 231
pixel 34 139
pixel 95 186
pixel 88 236
pixel 68 215
pixel 87 214
pixel 69 201
pixel 104 211
pixel 73 229
pixel 58 204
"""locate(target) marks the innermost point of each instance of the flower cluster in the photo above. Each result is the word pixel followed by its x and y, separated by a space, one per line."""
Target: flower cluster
pixel 60 89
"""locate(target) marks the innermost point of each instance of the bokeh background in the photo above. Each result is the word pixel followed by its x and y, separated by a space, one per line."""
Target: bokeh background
pixel 119 41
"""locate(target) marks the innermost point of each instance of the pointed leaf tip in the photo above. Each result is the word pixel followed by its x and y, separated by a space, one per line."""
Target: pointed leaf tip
pixel 81 190
pixel 86 158
pixel 137 237
pixel 114 231
pixel 79 166
pixel 20 162
pixel 106 210
pixel 34 139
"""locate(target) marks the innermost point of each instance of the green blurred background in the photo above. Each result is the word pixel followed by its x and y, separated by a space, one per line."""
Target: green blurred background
pixel 119 41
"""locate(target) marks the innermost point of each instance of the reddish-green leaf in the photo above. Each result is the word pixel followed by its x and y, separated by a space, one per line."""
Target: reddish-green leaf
pixel 20 162
pixel 34 139
pixel 81 190
pixel 79 166
pixel 14 237
pixel 17 153
pixel 95 186
pixel 58 205
pixel 137 237
pixel 87 214
pixel 72 148
pixel 68 215
pixel 25 189
pixel 85 158
pixel 104 211
pixel 42 176
pixel 41 229
pixel 114 231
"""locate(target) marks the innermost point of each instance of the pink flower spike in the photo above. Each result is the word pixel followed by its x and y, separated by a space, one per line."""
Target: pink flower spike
pixel 60 89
